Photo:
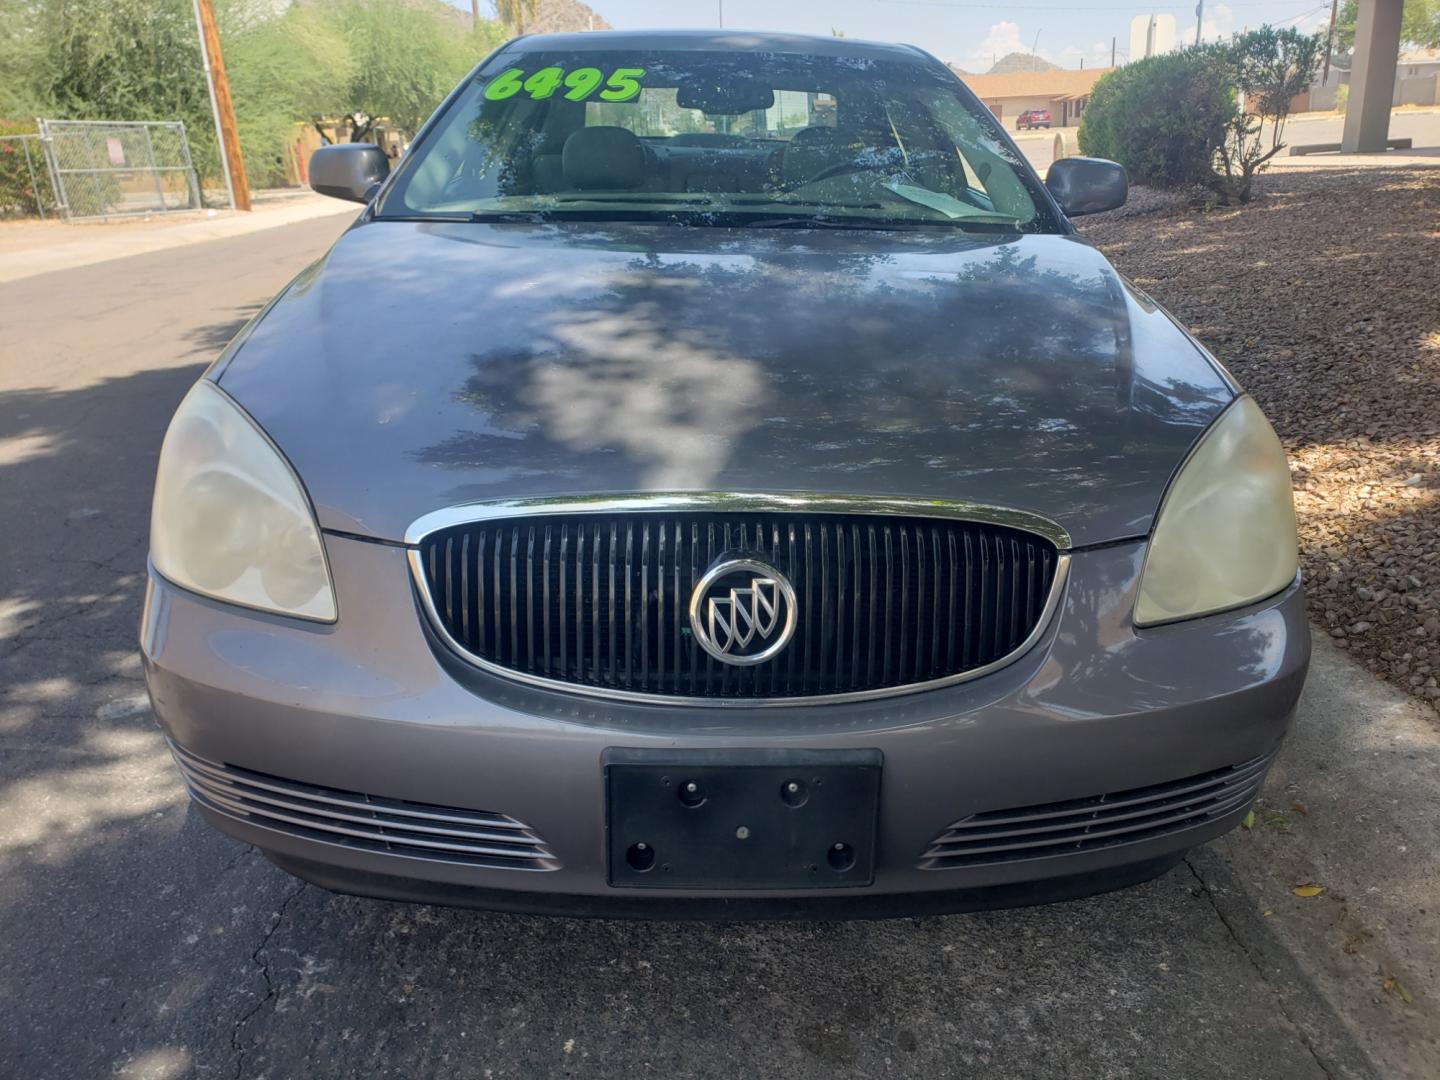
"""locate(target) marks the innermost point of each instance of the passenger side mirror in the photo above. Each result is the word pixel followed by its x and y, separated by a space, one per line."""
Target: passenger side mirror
pixel 1084 185
pixel 349 170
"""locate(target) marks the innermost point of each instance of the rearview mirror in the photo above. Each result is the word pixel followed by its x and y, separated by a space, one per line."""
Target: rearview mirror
pixel 349 170
pixel 1084 185
pixel 732 99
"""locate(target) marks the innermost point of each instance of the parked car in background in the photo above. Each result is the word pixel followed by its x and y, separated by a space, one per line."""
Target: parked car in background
pixel 712 478
pixel 1033 118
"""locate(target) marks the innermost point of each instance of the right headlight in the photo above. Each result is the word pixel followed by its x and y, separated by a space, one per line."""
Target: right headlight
pixel 1225 535
pixel 230 519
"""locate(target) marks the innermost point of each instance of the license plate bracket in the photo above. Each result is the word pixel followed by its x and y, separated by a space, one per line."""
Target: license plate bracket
pixel 754 819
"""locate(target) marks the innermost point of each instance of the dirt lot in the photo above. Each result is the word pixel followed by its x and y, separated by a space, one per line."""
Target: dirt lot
pixel 1323 298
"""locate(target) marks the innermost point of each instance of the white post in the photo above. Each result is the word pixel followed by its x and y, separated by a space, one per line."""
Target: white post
pixel 214 111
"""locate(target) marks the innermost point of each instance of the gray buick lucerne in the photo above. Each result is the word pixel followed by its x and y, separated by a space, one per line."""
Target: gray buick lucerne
pixel 711 477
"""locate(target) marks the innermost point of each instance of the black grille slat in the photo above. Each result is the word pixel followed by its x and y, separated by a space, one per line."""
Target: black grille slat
pixel 904 583
pixel 602 600
pixel 580 604
pixel 545 601
pixel 563 602
pixel 530 599
pixel 514 591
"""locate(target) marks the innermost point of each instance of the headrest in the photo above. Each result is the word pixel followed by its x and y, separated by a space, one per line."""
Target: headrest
pixel 812 150
pixel 603 159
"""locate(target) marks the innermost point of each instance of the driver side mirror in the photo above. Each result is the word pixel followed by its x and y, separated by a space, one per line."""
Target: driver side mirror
pixel 1083 185
pixel 349 170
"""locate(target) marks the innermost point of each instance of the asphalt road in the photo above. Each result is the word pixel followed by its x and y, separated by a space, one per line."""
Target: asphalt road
pixel 138 942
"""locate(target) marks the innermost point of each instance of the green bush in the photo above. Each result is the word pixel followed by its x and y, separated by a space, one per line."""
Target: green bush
pixel 1163 118
pixel 18 196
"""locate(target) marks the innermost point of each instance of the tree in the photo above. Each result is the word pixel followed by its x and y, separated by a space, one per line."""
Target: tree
pixel 282 70
pixel 1212 115
pixel 1268 67
pixel 304 62
pixel 513 13
pixel 1162 118
pixel 402 68
pixel 1419 25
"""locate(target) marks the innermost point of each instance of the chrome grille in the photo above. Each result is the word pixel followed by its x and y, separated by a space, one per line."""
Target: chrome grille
pixel 1125 817
pixel 349 819
pixel 599 601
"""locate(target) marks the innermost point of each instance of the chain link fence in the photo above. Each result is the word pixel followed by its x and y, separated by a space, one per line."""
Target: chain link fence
pixel 111 168
pixel 24 184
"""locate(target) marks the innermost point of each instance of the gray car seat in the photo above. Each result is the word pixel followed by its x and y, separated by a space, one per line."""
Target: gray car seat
pixel 604 159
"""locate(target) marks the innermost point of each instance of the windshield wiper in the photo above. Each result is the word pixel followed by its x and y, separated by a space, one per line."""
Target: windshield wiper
pixel 817 221
pixel 510 217
pixel 720 218
pixel 822 221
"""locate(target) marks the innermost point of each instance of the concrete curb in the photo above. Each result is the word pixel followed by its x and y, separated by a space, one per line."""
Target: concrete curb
pixel 1351 805
pixel 32 248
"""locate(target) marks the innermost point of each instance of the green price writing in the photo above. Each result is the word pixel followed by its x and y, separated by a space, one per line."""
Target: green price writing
pixel 578 85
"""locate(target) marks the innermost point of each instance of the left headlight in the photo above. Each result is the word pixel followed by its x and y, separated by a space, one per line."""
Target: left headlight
pixel 1225 535
pixel 230 519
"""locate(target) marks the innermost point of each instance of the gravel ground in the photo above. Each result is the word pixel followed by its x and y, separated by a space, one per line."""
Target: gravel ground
pixel 1323 298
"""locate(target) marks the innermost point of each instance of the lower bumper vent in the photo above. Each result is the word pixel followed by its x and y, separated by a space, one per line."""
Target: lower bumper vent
pixel 1123 817
pixel 349 819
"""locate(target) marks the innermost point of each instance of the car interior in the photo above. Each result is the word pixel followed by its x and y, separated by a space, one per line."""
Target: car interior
pixel 572 149
pixel 739 143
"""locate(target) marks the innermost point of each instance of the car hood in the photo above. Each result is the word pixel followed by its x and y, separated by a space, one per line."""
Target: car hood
pixel 421 365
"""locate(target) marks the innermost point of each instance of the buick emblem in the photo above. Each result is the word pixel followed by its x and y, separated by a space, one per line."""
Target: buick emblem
pixel 742 611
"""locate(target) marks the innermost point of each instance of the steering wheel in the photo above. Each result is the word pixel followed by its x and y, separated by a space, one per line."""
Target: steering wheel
pixel 845 168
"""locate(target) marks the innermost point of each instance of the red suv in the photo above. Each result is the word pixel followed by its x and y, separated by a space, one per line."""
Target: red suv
pixel 1033 118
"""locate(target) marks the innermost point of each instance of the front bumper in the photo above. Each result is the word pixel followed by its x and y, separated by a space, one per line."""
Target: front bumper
pixel 374 706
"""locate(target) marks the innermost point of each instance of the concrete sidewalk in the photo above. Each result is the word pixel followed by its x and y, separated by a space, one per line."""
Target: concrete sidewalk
pixel 1350 806
pixel 28 248
pixel 1389 159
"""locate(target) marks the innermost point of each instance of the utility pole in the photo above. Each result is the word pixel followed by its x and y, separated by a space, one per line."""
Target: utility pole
pixel 720 4
pixel 1034 56
pixel 1199 18
pixel 1112 51
pixel 221 106
pixel 1329 43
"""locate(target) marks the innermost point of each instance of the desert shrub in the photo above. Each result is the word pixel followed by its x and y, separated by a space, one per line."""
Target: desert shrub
pixel 1268 67
pixel 1163 118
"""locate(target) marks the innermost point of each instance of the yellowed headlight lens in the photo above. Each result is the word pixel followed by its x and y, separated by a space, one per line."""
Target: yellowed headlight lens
pixel 230 519
pixel 1225 536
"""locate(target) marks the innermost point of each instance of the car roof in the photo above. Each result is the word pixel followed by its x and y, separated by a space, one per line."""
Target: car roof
pixel 718 41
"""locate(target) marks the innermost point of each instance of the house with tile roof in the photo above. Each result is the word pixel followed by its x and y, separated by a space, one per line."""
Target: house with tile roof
pixel 1065 93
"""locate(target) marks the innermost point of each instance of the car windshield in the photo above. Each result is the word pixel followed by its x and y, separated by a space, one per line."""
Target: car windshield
pixel 718 138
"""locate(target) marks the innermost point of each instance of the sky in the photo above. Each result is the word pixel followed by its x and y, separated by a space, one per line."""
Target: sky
pixel 964 32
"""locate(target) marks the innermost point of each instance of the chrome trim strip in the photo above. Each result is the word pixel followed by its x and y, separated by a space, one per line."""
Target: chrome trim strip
pixel 816 504
pixel 795 502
